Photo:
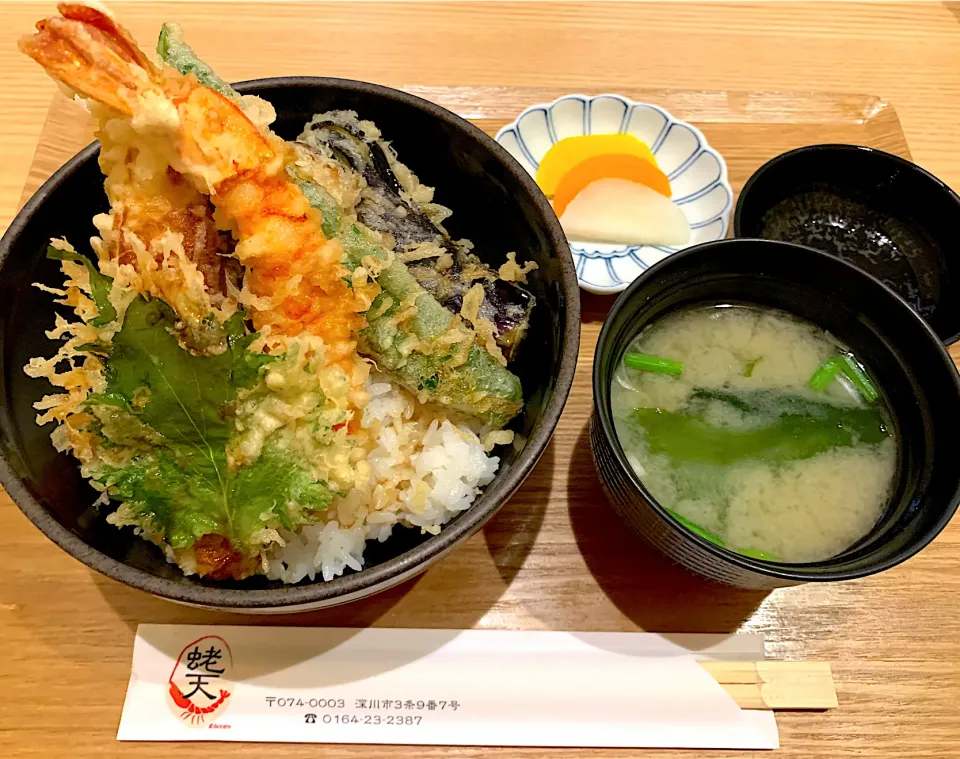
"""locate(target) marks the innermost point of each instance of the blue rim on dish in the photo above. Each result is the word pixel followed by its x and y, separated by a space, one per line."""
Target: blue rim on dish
pixel 697 173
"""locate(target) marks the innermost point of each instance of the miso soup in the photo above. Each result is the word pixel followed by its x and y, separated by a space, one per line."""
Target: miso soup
pixel 757 430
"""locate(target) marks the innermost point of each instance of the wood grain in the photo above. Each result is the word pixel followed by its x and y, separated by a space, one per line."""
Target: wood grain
pixel 779 685
pixel 555 557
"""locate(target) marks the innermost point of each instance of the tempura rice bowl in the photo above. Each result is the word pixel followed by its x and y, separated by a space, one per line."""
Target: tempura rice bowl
pixel 478 180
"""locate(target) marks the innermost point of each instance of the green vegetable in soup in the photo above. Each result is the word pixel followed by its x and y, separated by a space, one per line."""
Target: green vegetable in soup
pixel 755 554
pixel 859 377
pixel 826 374
pixel 707 535
pixel 646 363
pixel 721 427
pixel 749 367
pixel 695 528
pixel 846 364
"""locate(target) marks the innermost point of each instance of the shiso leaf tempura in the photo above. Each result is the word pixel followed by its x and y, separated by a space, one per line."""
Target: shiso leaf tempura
pixel 254 379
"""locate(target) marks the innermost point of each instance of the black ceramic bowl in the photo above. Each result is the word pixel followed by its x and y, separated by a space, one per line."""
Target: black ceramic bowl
pixel 914 371
pixel 873 209
pixel 496 204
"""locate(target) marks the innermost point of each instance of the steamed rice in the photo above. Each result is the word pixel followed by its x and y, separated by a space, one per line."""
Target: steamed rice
pixel 422 472
pixel 297 450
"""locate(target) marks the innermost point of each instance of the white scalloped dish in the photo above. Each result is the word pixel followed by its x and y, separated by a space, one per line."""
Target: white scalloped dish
pixel 696 172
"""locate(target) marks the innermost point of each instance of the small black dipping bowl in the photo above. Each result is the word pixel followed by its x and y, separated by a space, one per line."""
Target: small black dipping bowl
pixel 916 375
pixel 873 209
pixel 496 204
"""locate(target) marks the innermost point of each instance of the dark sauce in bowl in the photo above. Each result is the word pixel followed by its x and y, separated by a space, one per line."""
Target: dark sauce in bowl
pixel 898 254
pixel 874 210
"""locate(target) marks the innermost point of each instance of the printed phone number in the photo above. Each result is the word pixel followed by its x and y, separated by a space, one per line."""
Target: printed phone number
pixel 366 719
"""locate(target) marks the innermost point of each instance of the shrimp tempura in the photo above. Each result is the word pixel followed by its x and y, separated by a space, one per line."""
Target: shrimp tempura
pixel 294 280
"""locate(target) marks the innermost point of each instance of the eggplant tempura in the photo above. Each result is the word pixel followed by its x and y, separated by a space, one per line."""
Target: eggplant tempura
pixel 256 379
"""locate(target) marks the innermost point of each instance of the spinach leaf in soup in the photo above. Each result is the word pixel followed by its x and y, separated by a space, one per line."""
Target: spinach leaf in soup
pixel 770 426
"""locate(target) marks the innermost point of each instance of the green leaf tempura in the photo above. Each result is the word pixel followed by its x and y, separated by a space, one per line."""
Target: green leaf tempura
pixel 100 284
pixel 177 53
pixel 479 387
pixel 179 481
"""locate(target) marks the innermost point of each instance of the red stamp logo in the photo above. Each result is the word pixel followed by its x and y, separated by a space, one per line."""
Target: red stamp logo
pixel 200 684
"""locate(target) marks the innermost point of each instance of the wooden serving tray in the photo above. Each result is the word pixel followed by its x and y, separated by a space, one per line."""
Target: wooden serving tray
pixel 556 556
pixel 747 128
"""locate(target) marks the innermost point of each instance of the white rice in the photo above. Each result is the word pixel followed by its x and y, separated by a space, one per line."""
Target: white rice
pixel 423 471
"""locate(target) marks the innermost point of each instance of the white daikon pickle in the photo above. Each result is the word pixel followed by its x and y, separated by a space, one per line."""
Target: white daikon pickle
pixel 620 211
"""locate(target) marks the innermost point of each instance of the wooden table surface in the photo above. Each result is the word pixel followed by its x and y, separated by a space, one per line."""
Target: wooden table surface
pixel 67 632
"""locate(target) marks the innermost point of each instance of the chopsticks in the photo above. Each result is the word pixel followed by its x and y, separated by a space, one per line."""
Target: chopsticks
pixel 779 685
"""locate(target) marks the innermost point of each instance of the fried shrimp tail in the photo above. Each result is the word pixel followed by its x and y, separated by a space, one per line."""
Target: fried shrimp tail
pixel 189 176
pixel 65 46
pixel 253 379
pixel 294 281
